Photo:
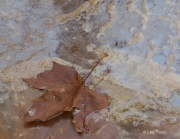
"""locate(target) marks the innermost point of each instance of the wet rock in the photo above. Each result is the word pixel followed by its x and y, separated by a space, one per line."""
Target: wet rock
pixel 31 31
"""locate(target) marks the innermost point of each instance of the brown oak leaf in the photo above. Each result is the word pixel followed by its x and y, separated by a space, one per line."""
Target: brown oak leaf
pixel 66 91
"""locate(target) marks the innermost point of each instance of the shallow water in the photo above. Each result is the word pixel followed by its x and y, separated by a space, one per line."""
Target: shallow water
pixel 102 124
pixel 142 70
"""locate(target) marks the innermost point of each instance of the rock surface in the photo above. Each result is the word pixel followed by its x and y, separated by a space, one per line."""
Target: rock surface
pixel 141 37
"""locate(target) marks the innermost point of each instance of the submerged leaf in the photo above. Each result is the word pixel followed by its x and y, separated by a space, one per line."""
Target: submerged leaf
pixel 65 92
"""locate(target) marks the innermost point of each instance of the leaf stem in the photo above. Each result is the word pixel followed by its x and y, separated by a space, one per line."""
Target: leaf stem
pixel 105 55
